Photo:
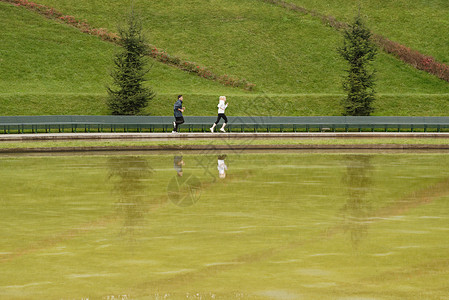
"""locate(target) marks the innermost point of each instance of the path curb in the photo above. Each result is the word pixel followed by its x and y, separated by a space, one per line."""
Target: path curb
pixel 224 136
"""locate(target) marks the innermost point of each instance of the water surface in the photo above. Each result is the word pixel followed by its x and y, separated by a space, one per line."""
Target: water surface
pixel 225 226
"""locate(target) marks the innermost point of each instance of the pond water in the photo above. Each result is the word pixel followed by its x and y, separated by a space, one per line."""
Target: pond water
pixel 225 226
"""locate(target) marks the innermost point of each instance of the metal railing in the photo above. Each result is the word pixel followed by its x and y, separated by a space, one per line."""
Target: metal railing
pixel 36 124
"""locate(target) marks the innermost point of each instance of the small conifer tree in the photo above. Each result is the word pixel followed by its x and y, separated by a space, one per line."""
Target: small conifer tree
pixel 359 51
pixel 129 96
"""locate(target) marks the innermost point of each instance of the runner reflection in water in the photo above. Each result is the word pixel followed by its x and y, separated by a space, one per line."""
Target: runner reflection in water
pixel 184 189
pixel 222 168
pixel 178 162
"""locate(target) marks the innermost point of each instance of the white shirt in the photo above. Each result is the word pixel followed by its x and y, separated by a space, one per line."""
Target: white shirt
pixel 222 106
pixel 222 168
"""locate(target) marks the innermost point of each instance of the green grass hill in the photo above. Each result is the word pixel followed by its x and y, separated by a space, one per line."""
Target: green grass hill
pixel 47 67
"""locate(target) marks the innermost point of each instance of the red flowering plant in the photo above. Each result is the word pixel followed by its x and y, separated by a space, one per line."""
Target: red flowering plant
pixel 414 58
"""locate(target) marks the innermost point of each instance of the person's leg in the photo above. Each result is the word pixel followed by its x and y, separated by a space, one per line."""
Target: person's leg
pixel 179 121
pixel 215 124
pixel 225 122
pixel 175 126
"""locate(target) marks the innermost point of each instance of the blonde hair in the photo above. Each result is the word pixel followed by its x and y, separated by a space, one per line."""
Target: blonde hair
pixel 222 98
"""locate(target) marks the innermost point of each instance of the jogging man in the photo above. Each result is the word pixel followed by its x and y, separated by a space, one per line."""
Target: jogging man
pixel 178 162
pixel 178 109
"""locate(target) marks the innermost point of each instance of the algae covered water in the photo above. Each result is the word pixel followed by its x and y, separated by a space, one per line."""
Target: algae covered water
pixel 225 226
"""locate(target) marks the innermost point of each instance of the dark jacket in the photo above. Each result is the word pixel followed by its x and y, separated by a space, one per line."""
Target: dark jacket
pixel 177 113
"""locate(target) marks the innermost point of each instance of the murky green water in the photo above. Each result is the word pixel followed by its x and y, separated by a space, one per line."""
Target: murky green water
pixel 241 226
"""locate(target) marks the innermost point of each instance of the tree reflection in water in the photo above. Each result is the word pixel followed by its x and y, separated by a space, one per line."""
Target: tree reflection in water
pixel 130 176
pixel 358 209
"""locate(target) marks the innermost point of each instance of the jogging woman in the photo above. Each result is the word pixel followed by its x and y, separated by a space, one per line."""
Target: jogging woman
pixel 221 114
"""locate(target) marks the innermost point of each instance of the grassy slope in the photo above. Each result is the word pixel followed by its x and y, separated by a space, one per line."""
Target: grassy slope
pixel 416 24
pixel 49 68
pixel 281 51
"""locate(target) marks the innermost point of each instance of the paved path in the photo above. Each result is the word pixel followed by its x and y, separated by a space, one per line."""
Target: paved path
pixel 204 136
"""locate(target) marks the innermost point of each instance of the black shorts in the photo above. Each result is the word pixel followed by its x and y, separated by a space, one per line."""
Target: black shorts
pixel 221 116
pixel 179 120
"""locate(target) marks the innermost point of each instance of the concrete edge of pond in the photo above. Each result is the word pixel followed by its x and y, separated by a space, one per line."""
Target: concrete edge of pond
pixel 214 136
pixel 210 148
pixel 202 135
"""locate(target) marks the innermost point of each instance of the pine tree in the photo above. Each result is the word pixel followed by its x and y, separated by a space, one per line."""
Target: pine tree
pixel 129 96
pixel 359 51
